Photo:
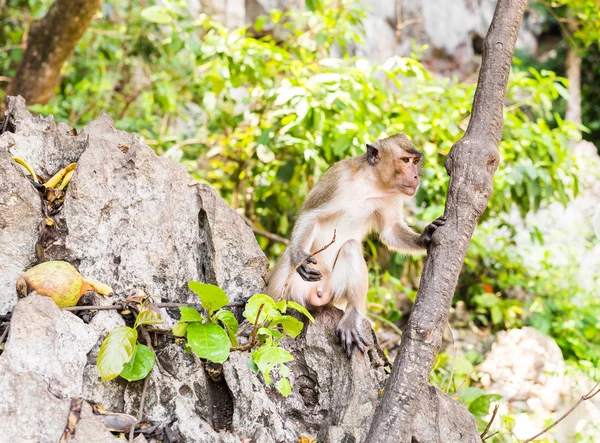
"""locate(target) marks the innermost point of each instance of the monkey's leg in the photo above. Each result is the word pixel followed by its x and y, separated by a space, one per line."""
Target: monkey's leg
pixel 350 279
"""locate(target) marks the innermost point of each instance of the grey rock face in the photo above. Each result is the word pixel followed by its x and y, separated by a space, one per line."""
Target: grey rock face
pixel 20 216
pixel 50 342
pixel 41 367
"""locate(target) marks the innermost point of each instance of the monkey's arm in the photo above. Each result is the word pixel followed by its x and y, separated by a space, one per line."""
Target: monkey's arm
pixel 302 238
pixel 397 236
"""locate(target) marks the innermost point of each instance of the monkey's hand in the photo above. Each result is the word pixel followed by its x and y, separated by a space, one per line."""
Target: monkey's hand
pixel 425 238
pixel 349 332
pixel 307 272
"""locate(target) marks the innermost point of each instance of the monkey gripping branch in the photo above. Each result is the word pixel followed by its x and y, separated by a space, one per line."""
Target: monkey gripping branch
pixel 471 164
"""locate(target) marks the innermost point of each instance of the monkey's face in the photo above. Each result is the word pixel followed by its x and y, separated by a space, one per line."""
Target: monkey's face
pixel 396 163
pixel 406 166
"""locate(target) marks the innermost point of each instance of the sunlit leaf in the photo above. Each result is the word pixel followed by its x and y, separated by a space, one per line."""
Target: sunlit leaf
pixel 209 341
pixel 212 297
pixel 230 322
pixel 301 309
pixel 148 317
pixel 140 364
pixel 116 350
pixel 189 314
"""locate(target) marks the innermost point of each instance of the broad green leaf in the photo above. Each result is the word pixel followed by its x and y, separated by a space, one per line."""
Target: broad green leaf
pixel 284 387
pixel 231 324
pixel 291 326
pixel 496 315
pixel 480 407
pixel 281 306
pixel 254 304
pixel 486 300
pixel 300 308
pixel 180 329
pixel 211 296
pixel 209 341
pixel 156 14
pixel 148 317
pixel 140 364
pixel 284 371
pixel 267 357
pixel 468 394
pixel 116 350
pixel 189 314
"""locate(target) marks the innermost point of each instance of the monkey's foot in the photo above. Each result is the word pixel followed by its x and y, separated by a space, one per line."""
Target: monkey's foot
pixel 349 334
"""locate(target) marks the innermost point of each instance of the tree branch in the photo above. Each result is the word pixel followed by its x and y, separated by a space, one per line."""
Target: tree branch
pixel 471 164
pixel 50 43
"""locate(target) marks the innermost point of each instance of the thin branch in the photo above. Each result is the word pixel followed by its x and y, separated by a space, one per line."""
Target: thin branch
pixel 11 47
pixel 253 337
pixel 583 398
pixel 487 428
pixel 266 234
pixel 119 306
pixel 289 279
pixel 384 320
pixel 491 435
pixel 140 414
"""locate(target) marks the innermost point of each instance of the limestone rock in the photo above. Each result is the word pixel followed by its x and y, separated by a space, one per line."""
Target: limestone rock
pixel 50 342
pixel 20 216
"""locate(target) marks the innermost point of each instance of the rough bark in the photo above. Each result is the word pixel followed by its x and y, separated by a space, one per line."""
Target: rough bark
pixel 51 42
pixel 573 68
pixel 471 165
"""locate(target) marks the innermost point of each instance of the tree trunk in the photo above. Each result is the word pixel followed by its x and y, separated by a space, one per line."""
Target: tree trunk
pixel 51 42
pixel 573 68
pixel 471 164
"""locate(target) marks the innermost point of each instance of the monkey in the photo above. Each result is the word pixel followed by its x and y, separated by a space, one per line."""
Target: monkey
pixel 318 292
pixel 354 196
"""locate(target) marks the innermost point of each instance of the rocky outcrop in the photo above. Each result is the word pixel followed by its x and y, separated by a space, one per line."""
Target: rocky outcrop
pixel 536 387
pixel 137 222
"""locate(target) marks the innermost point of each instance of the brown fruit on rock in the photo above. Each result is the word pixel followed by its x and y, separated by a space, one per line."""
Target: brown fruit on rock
pixel 58 280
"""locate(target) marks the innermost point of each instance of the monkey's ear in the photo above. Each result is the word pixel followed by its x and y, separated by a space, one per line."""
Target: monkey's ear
pixel 372 154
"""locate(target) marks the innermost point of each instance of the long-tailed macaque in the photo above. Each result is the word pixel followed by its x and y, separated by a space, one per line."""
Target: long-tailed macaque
pixel 354 196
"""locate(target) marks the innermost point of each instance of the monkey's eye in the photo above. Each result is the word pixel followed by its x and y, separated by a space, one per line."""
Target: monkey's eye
pixel 406 159
pixel 416 162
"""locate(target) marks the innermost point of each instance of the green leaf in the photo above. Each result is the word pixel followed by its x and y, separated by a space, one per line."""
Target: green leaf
pixel 209 341
pixel 211 296
pixel 300 308
pixel 140 364
pixel 468 394
pixel 189 314
pixel 148 317
pixel 291 326
pixel 480 407
pixel 486 300
pixel 254 304
pixel 156 14
pixel 180 329
pixel 116 350
pixel 284 387
pixel 231 324
pixel 496 315
pixel 267 357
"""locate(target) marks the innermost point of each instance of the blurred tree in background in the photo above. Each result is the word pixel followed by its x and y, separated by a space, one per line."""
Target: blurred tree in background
pixel 261 112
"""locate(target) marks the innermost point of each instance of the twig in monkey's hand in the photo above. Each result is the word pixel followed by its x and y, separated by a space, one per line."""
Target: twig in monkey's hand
pixel 289 279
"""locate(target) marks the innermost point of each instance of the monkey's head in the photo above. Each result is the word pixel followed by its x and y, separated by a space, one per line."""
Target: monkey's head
pixel 395 163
